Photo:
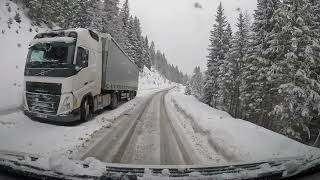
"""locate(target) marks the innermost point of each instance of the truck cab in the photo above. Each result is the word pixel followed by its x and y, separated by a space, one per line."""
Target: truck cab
pixel 64 73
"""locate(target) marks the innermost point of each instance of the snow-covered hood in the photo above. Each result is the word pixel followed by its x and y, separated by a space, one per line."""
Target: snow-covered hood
pixel 59 166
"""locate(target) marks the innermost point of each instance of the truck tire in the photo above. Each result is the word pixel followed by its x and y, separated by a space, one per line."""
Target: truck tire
pixel 129 96
pixel 114 101
pixel 85 110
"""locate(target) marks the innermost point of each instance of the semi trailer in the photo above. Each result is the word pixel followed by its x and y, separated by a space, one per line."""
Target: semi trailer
pixel 70 74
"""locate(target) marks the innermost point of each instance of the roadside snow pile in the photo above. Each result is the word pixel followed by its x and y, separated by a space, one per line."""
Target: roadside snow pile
pixel 19 133
pixel 62 164
pixel 14 40
pixel 235 139
pixel 151 79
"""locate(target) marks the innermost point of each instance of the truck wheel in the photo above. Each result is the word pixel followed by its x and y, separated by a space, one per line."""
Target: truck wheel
pixel 129 96
pixel 114 101
pixel 85 110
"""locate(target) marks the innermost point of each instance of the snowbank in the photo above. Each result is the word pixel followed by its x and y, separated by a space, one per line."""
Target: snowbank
pixel 19 133
pixel 151 79
pixel 235 139
pixel 14 43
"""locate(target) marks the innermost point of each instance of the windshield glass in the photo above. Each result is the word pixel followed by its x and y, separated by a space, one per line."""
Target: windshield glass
pixel 165 88
pixel 56 53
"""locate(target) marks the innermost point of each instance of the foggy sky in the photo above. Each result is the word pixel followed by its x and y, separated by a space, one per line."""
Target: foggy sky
pixel 180 30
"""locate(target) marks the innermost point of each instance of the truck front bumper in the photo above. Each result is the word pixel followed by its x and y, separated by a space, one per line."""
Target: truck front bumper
pixel 71 117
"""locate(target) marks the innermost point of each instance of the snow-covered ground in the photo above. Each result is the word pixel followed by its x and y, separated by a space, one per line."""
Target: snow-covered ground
pixel 14 43
pixel 18 132
pixel 150 80
pixel 214 134
pixel 232 140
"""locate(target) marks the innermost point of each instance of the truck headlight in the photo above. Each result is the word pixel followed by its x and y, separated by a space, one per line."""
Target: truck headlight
pixel 66 105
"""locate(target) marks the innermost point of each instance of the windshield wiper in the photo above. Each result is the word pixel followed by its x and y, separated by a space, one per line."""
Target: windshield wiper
pixel 29 166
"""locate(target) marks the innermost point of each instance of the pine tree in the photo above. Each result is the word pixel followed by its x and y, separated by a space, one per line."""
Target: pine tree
pixel 139 44
pixel 225 78
pixel 316 13
pixel 256 89
pixel 124 16
pixel 238 60
pixel 36 10
pixel 217 54
pixel 187 90
pixel 96 12
pixel 132 42
pixel 152 54
pixel 298 93
pixel 196 82
pixel 146 53
pixel 111 23
pixel 81 16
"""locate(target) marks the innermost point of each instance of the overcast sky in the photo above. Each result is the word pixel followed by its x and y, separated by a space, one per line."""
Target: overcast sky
pixel 180 30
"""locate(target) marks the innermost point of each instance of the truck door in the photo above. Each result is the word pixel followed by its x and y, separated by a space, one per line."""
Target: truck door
pixel 84 78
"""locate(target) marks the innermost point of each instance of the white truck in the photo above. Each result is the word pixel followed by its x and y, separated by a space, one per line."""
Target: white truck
pixel 72 73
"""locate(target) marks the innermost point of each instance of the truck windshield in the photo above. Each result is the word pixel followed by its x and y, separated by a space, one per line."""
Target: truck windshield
pixel 51 54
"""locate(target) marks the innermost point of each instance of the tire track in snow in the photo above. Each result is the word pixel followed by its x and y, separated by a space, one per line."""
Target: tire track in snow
pixel 10 111
pixel 145 136
pixel 117 158
pixel 167 129
pixel 111 146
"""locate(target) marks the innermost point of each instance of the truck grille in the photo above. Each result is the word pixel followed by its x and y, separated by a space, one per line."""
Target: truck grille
pixel 43 103
pixel 44 88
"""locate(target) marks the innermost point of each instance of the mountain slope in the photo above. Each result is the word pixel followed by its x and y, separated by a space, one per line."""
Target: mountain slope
pixel 14 40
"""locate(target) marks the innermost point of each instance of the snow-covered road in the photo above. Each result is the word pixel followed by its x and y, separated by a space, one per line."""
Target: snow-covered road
pixel 156 128
pixel 160 127
pixel 19 133
pixel 145 135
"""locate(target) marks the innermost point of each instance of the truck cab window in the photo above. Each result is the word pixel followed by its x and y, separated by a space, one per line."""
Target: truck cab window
pixel 82 57
pixel 51 54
